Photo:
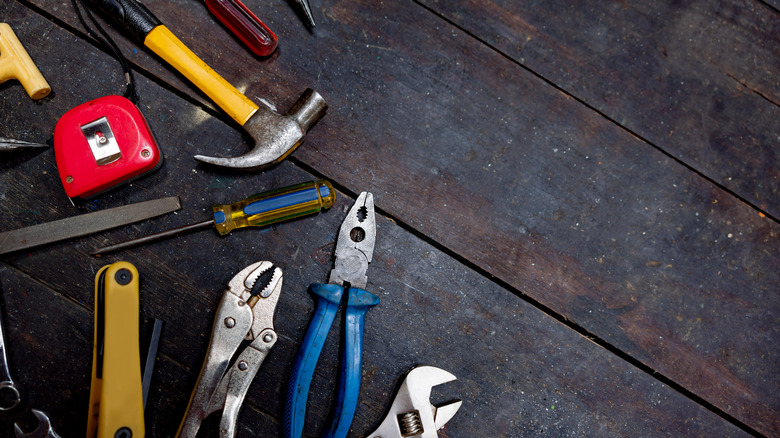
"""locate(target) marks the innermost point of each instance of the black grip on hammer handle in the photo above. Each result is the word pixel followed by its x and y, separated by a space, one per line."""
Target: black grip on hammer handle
pixel 128 15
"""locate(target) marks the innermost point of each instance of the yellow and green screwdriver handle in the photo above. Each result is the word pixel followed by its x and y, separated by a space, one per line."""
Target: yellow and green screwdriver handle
pixel 274 206
pixel 255 211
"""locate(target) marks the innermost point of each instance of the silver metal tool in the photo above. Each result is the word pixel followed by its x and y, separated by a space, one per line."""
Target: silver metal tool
pixel 241 315
pixel 355 244
pixel 412 414
pixel 10 396
pixel 151 358
pixel 304 4
pixel 354 250
pixel 10 145
pixel 275 135
pixel 82 225
pixel 44 429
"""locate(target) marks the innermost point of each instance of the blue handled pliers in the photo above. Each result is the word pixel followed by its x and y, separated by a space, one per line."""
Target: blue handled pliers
pixel 354 249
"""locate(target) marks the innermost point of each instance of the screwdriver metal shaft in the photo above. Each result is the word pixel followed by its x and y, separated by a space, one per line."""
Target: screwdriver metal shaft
pixel 152 237
pixel 258 210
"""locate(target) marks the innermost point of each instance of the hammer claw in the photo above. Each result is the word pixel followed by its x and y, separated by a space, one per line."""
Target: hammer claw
pixel 276 136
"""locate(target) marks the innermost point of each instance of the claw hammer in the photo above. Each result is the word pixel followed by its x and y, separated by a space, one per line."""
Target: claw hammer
pixel 275 135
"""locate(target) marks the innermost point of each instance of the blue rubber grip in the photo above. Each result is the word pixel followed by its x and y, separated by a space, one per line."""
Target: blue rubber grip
pixel 359 302
pixel 286 200
pixel 328 300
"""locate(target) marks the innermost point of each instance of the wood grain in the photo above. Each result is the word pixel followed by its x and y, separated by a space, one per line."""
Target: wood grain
pixel 699 80
pixel 518 223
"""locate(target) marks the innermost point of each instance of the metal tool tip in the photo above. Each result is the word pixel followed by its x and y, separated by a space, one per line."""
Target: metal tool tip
pixel 105 250
pixel 307 10
pixel 10 145
pixel 444 412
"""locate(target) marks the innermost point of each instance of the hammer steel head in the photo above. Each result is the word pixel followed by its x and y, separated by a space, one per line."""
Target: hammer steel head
pixel 275 135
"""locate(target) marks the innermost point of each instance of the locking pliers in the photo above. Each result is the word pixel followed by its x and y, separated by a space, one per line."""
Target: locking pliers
pixel 241 315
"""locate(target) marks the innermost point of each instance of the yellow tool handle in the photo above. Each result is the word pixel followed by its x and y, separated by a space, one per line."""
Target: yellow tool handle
pixel 116 396
pixel 274 206
pixel 165 44
pixel 15 63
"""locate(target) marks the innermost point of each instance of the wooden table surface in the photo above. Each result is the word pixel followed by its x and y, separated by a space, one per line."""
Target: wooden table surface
pixel 578 211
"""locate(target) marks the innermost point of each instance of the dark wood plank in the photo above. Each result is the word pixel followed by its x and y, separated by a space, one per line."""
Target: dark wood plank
pixel 573 387
pixel 438 122
pixel 182 280
pixel 434 309
pixel 589 221
pixel 699 80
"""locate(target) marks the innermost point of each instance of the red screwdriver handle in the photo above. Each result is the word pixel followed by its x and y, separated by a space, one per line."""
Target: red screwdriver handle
pixel 245 25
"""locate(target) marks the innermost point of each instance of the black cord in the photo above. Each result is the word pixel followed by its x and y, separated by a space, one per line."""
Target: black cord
pixel 108 44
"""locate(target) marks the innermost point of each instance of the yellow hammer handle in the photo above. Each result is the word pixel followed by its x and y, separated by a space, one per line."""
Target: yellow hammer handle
pixel 167 46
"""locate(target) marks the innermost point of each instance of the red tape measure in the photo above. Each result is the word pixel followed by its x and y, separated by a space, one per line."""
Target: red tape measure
pixel 101 144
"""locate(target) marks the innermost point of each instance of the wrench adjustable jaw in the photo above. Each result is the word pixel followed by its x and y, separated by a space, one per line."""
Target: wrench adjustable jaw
pixel 412 414
pixel 241 316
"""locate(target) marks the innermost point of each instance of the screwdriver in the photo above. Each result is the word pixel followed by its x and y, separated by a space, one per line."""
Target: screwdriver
pixel 245 25
pixel 256 211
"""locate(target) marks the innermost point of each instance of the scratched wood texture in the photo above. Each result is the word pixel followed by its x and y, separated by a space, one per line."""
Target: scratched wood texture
pixel 580 277
pixel 684 76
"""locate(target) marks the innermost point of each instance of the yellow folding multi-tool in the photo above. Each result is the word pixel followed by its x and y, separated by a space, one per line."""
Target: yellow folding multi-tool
pixel 116 396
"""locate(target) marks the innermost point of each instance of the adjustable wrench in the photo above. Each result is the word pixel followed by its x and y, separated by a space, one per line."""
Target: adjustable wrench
pixel 412 414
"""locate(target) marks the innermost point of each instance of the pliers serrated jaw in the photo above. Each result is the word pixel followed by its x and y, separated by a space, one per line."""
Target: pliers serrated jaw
pixel 263 303
pixel 355 244
pixel 242 315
